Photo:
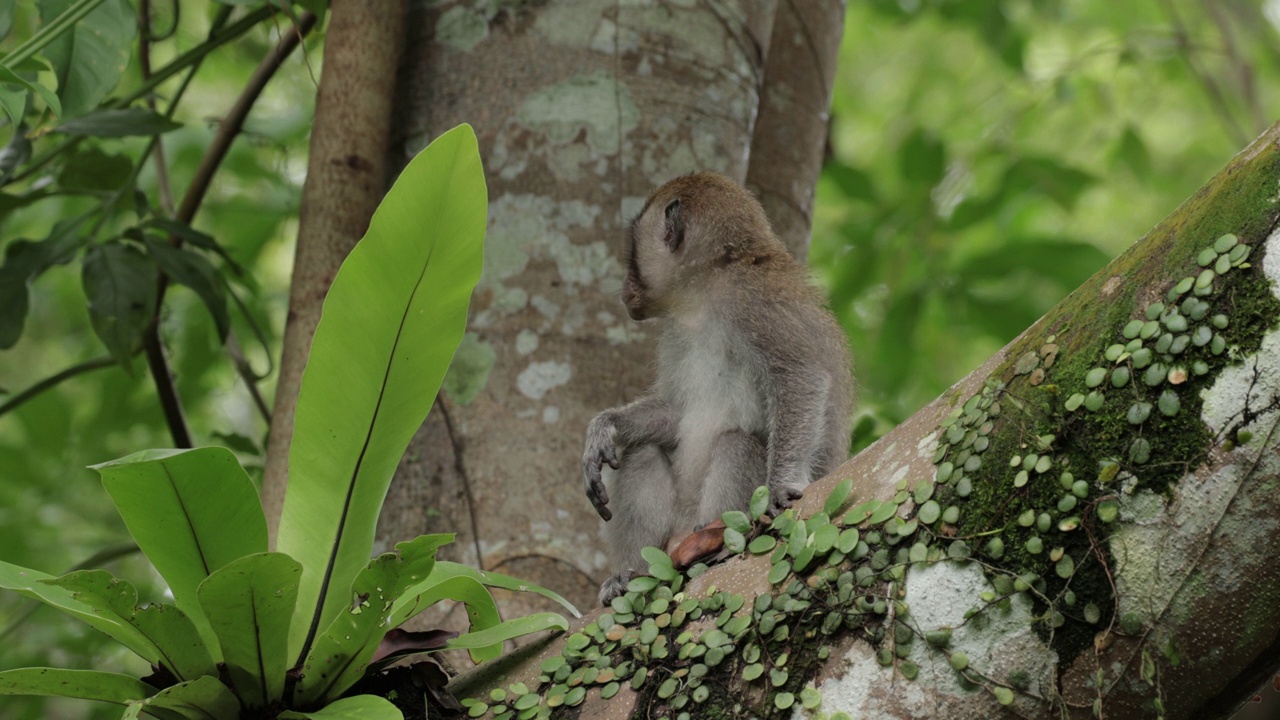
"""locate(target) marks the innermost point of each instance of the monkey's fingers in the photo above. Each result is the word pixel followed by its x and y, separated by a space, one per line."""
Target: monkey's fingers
pixel 599 497
pixel 780 498
pixel 602 508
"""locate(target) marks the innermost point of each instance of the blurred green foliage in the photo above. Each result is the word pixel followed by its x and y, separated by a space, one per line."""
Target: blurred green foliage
pixel 987 156
pixel 990 155
pixel 54 513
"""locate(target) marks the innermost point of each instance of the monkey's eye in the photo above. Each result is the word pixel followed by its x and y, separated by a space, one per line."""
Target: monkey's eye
pixel 675 226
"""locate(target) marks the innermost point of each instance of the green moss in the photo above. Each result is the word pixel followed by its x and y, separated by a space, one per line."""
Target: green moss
pixel 1238 201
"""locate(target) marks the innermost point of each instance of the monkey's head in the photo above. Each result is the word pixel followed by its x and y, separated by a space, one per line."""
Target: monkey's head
pixel 689 227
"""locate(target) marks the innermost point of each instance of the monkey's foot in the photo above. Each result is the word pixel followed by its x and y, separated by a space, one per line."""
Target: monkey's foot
pixel 616 586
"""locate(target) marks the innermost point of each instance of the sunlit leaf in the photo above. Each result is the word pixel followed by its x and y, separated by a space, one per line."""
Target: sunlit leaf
pixel 391 322
pixel 191 511
pixel 120 283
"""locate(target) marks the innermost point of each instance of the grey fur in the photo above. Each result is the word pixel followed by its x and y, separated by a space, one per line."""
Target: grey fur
pixel 754 380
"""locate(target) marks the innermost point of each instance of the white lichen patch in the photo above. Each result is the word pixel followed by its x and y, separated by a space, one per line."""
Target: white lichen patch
pixel 540 378
pixel 549 309
pixel 857 691
pixel 997 643
pixel 928 446
pixel 525 228
pixel 1255 382
pixel 461 27
pixel 597 104
pixel 526 341
pixel 1157 550
pixel 551 414
pixel 469 372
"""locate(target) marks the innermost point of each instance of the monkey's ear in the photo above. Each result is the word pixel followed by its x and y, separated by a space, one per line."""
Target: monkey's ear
pixel 675 226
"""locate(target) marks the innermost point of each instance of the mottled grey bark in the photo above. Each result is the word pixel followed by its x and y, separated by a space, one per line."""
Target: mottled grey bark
pixel 581 109
pixel 346 179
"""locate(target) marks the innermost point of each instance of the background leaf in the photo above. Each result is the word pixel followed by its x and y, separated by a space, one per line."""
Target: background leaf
pixel 120 283
pixel 125 122
pixel 194 271
pixel 89 59
pixel 392 319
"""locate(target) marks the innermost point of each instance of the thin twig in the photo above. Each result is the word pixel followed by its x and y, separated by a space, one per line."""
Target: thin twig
pixel 53 380
pixel 166 390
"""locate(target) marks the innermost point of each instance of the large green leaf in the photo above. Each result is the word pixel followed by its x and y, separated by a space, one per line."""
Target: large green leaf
pixel 204 698
pixel 90 58
pixel 24 260
pixel 391 322
pixel 32 583
pixel 120 283
pixel 340 655
pixel 360 707
pixel 176 643
pixel 249 603
pixel 84 684
pixel 192 512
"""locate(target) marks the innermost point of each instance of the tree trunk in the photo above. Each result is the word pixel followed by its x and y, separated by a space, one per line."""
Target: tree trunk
pixel 1113 474
pixel 581 109
pixel 347 176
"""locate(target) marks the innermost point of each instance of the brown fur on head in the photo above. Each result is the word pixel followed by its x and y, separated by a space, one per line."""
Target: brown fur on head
pixel 689 226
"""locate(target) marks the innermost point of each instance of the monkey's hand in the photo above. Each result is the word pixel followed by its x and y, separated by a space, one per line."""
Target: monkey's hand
pixel 616 585
pixel 600 450
pixel 782 494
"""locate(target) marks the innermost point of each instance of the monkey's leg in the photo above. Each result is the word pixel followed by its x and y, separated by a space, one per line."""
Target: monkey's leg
pixel 642 495
pixel 737 468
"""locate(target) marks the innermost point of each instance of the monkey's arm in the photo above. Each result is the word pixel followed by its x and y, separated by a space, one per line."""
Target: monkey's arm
pixel 797 416
pixel 647 421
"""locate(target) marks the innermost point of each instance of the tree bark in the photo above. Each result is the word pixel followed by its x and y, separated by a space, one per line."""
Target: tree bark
pixel 1164 533
pixel 790 137
pixel 347 175
pixel 581 109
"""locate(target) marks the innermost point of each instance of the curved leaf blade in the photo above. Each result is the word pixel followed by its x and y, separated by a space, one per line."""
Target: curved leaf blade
pixel 340 655
pixel 482 611
pixel 360 707
pixel 83 684
pixel 249 603
pixel 408 605
pixel 191 512
pixel 509 630
pixel 169 637
pixel 204 698
pixel 391 322
pixel 31 584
